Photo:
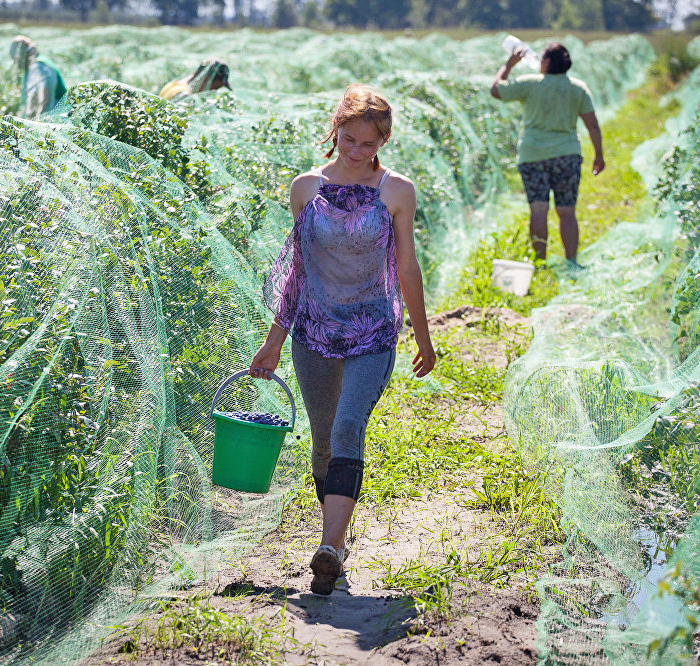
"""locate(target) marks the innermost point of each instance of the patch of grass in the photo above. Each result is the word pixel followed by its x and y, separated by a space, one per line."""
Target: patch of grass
pixel 195 626
pixel 474 285
pixel 478 382
pixel 412 450
pixel 518 500
pixel 431 586
pixel 430 453
pixel 530 527
pixel 489 338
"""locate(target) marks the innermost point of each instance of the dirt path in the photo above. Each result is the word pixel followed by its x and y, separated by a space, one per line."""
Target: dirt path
pixel 364 621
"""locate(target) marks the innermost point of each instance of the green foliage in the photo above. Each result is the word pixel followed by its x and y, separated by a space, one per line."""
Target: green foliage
pixel 85 7
pixel 42 485
pixel 666 465
pixel 663 470
pixel 310 15
pixel 679 583
pixel 580 16
pixel 177 12
pixel 619 15
pixel 525 14
pixel 674 61
pixel 76 471
pixel 679 186
pixel 145 122
pixel 364 13
pixel 624 16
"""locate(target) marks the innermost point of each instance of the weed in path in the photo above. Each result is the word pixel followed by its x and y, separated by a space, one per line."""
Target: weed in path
pixel 195 626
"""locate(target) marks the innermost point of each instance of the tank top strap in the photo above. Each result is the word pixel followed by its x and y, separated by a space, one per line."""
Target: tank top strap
pixel 320 178
pixel 384 177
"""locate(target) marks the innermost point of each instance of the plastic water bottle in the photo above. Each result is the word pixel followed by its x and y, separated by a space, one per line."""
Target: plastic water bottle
pixel 511 44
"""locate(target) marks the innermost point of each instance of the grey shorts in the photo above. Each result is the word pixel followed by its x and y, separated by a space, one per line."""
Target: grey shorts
pixel 339 396
pixel 560 174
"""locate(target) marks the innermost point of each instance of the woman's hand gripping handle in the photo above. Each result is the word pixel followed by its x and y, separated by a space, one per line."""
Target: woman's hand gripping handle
pixel 267 358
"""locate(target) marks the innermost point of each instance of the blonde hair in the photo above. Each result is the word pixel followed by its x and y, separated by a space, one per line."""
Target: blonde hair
pixel 360 102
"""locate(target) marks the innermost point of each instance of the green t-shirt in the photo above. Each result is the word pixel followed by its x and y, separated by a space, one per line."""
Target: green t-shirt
pixel 552 104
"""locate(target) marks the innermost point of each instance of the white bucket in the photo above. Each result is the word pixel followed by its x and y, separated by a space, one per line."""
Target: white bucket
pixel 512 276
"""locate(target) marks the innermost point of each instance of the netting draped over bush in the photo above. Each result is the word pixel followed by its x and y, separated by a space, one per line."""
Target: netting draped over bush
pixel 135 237
pixel 606 403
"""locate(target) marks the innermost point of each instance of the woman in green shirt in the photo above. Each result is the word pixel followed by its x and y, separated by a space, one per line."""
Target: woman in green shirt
pixel 549 152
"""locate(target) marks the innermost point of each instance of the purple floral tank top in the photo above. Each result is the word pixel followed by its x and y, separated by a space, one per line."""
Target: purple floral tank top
pixel 335 285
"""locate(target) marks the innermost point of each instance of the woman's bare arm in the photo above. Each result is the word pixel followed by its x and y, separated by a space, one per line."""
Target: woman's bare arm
pixel 267 357
pixel 504 71
pixel 402 205
pixel 591 122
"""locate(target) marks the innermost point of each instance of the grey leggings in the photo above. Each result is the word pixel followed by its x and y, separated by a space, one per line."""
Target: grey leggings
pixel 339 395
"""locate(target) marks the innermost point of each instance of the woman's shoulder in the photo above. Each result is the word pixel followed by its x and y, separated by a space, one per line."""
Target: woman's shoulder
pixel 304 186
pixel 398 193
pixel 578 83
pixel 398 184
pixel 304 179
pixel 398 180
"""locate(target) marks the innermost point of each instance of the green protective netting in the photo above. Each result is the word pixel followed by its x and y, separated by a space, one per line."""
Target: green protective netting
pixel 136 234
pixel 606 404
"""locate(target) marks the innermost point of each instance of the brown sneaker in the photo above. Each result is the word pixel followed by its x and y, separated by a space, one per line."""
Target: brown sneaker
pixel 327 567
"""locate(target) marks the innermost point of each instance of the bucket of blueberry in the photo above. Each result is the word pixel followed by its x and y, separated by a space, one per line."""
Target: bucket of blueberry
pixel 247 444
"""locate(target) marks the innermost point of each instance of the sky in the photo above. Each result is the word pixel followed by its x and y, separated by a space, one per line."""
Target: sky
pixel 682 9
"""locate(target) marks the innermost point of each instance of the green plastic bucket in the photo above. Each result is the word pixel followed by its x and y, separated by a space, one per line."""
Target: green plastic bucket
pixel 245 453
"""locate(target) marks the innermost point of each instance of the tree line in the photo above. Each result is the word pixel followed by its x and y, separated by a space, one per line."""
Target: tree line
pixel 615 15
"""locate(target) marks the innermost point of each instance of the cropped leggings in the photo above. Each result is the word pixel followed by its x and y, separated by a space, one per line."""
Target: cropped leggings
pixel 339 395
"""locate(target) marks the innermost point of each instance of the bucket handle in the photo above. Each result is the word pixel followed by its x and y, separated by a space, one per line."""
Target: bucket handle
pixel 242 373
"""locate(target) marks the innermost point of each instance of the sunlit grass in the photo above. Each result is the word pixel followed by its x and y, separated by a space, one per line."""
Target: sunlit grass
pixel 196 626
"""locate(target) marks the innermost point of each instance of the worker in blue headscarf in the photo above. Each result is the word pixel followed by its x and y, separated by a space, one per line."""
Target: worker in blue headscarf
pixel 42 84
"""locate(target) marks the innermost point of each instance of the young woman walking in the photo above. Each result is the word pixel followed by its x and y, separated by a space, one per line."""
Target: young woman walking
pixel 338 288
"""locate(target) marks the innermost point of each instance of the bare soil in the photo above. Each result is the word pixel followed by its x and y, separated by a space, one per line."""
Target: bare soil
pixel 360 622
